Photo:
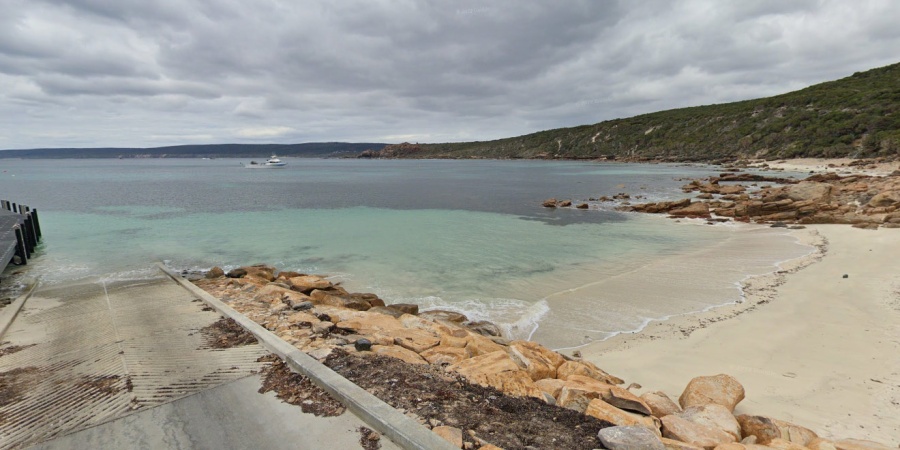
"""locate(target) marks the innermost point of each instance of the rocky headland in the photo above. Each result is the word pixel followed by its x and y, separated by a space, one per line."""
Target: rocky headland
pixel 536 388
pixel 864 201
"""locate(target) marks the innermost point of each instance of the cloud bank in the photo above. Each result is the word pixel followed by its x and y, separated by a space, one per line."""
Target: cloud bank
pixel 132 73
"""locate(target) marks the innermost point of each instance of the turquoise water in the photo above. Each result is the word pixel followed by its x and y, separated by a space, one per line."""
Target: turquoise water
pixel 464 235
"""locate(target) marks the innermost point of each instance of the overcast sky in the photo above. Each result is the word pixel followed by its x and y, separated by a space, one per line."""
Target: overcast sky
pixel 140 73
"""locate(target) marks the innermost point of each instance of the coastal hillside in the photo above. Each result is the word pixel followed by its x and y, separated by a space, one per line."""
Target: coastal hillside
pixel 310 150
pixel 857 116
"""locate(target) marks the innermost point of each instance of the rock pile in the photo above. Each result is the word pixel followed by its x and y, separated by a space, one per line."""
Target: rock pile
pixel 859 200
pixel 317 316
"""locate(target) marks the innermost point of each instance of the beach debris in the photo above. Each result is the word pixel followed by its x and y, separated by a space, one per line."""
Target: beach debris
pixel 846 276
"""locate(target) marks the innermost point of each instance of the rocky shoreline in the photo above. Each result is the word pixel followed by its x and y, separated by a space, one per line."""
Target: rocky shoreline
pixel 861 200
pixel 324 320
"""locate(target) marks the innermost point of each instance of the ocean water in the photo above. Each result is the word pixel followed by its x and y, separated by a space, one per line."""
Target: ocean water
pixel 469 236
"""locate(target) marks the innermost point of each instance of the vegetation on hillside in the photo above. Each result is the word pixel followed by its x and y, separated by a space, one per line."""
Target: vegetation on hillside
pixel 858 116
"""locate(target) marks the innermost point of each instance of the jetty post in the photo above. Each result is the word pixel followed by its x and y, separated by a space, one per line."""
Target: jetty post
pixel 20 233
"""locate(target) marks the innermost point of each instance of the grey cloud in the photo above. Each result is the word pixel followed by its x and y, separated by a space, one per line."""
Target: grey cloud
pixel 267 70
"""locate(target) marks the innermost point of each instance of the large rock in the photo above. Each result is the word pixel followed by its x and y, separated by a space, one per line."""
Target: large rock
pixel 672 444
pixel 576 398
pixel 399 353
pixel 794 433
pixel 630 438
pixel 307 283
pixel 539 361
pixel 674 427
pixel 479 345
pixel 808 190
pixel 660 404
pixel 498 370
pixel 494 362
pixel 624 399
pixel 405 308
pixel 858 444
pixel 371 323
pixel 484 328
pixel 215 272
pixel 440 314
pixel 763 428
pixel 551 386
pixel 416 340
pixel 720 389
pixel 604 411
pixel 444 355
pixel 821 444
pixel 714 416
pixel 260 272
pixel 696 209
pixel 887 198
pixel 783 444
pixel 587 369
pixel 341 302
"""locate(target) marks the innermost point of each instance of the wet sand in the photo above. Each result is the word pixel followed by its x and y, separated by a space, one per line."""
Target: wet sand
pixel 810 346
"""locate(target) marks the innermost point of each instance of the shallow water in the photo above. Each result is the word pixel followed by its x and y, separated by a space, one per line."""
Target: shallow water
pixel 463 235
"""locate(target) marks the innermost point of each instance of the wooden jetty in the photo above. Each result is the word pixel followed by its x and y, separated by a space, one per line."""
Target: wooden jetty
pixel 20 233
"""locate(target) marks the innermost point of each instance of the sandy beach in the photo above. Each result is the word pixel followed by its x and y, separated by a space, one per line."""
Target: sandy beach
pixel 810 346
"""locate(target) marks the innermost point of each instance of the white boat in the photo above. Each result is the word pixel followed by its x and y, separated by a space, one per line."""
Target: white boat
pixel 272 163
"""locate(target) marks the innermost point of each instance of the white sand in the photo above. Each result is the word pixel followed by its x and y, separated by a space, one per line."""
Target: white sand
pixel 837 165
pixel 822 351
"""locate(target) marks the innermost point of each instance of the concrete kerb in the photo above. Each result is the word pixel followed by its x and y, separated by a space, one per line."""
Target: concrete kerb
pixel 12 310
pixel 399 428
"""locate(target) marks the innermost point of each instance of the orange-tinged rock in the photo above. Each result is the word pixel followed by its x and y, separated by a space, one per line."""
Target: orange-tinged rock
pixel 660 404
pixel 821 444
pixel 674 427
pixel 604 411
pixel 551 386
pixel 299 317
pixel 516 383
pixel 859 444
pixel 763 428
pixel 494 362
pixel 452 435
pixel 270 293
pixel 539 361
pixel 399 353
pixel 783 444
pixel 714 416
pixel 453 341
pixel 414 339
pixel 624 399
pixel 371 323
pixel 444 355
pixel 587 369
pixel 794 433
pixel 575 398
pixel 672 444
pixel 479 345
pixel 308 283
pixel 414 322
pixel 720 389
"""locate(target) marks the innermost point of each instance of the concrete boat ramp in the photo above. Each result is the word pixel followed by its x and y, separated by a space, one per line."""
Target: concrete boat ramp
pixel 122 364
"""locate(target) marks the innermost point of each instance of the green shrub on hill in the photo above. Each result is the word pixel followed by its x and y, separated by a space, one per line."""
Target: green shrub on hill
pixel 858 116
